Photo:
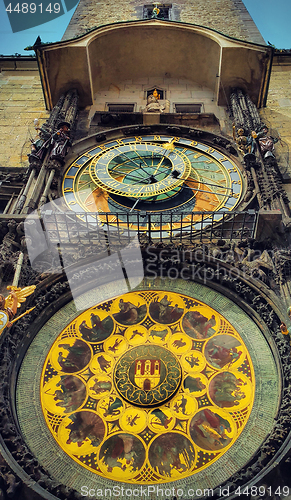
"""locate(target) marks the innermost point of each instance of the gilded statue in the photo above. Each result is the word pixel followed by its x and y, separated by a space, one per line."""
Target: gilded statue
pixel 153 105
pixel 156 94
pixel 10 304
pixel 155 12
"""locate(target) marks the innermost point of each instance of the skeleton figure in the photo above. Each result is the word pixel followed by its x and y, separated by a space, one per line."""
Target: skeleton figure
pixel 245 144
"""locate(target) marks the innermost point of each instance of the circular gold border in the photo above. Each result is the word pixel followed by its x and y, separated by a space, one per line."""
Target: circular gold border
pixel 258 427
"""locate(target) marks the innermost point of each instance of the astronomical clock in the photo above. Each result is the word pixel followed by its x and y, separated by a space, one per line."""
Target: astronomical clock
pixel 152 360
pixel 161 175
pixel 174 385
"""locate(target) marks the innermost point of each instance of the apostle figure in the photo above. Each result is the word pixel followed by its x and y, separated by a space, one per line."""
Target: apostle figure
pixel 60 142
pixel 57 144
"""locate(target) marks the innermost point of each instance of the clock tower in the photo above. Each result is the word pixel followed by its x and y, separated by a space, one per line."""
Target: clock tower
pixel 229 17
pixel 154 221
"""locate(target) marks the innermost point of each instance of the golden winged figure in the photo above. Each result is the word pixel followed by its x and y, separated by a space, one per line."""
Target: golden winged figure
pixel 10 304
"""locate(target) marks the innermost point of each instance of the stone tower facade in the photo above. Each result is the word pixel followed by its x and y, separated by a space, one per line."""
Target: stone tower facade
pixel 153 216
pixel 229 17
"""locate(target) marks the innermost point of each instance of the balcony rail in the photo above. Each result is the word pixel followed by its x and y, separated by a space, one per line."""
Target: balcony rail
pixel 173 227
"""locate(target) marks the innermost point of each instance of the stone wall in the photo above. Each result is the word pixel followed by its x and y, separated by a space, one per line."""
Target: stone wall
pixel 177 91
pixel 229 17
pixel 21 101
pixel 277 113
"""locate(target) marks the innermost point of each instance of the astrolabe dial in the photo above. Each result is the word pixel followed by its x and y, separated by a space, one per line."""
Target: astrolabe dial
pixel 167 180
pixel 141 170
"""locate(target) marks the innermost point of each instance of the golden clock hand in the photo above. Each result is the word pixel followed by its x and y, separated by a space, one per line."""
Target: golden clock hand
pixel 165 168
pixel 168 146
pixel 159 164
pixel 142 158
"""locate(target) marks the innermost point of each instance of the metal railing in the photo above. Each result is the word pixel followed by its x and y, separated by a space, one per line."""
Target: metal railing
pixel 94 227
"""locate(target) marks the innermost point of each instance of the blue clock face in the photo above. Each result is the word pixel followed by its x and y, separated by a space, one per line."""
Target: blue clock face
pixel 152 174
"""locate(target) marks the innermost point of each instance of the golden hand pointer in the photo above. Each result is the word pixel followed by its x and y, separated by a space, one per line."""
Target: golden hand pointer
pixel 169 146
